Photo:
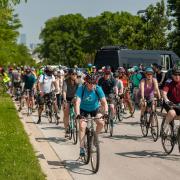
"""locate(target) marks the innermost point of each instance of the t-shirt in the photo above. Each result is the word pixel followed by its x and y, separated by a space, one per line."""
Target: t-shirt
pixel 173 90
pixel 107 85
pixel 29 81
pixel 69 88
pixel 16 76
pixel 46 83
pixel 90 100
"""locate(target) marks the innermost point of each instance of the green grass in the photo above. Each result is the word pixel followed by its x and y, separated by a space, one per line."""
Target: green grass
pixel 17 157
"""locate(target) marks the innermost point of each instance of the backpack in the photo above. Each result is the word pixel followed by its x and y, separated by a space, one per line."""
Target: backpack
pixel 83 90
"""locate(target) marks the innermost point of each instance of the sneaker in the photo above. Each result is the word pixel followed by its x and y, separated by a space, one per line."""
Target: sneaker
pixel 82 152
pixel 39 120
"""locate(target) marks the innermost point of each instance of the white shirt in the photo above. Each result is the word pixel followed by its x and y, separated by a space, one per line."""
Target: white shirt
pixel 46 83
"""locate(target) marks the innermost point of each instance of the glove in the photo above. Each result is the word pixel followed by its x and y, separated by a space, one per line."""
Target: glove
pixel 105 116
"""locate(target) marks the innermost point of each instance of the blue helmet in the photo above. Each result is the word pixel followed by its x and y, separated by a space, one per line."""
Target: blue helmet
pixel 149 70
pixel 89 65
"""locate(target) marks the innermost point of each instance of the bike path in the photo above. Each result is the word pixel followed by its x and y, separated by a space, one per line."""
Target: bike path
pixel 127 155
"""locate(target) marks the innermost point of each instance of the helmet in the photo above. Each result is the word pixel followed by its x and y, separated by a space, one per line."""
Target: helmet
pixel 89 65
pixel 91 78
pixel 72 71
pixel 107 70
pixel 135 68
pixel 149 70
pixel 176 70
pixel 60 72
pixel 28 69
pixel 49 69
pixel 121 70
pixel 79 73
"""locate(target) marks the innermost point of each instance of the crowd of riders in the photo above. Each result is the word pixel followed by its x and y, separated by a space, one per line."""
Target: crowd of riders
pixel 94 91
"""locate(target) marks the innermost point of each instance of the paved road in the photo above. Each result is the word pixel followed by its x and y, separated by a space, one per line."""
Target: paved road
pixel 127 155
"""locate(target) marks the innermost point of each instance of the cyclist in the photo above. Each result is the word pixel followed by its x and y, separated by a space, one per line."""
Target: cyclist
pixel 124 78
pixel 148 87
pixel 69 89
pixel 87 103
pixel 171 95
pixel 109 87
pixel 45 85
pixel 29 84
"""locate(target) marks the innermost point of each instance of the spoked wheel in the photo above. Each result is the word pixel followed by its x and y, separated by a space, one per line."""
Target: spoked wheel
pixel 75 132
pixel 144 124
pixel 87 148
pixel 178 138
pixel 119 112
pixel 154 127
pixel 50 113
pixel 70 132
pixel 111 125
pixel 133 108
pixel 95 153
pixel 168 139
pixel 106 125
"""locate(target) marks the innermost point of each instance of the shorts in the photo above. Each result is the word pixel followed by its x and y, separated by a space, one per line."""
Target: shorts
pixel 86 113
pixel 41 100
pixel 16 84
pixel 167 108
pixel 30 91
pixel 110 98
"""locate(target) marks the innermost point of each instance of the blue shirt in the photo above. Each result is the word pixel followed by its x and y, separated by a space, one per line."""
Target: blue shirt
pixel 90 99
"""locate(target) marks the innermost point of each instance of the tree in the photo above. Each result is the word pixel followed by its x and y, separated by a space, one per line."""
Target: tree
pixel 174 36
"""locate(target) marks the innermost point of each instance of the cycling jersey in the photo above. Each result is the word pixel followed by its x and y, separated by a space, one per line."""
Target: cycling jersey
pixel 173 91
pixel 29 81
pixel 90 100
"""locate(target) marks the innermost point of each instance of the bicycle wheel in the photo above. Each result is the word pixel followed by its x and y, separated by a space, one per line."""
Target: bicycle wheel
pixel 178 138
pixel 111 125
pixel 87 147
pixel 144 124
pixel 95 152
pixel 167 139
pixel 119 112
pixel 106 125
pixel 75 132
pixel 50 113
pixel 133 108
pixel 154 127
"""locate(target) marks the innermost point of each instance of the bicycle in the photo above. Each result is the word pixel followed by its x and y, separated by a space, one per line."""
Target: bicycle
pixel 150 120
pixel 28 97
pixel 109 123
pixel 119 108
pixel 91 145
pixel 171 136
pixel 73 129
pixel 49 99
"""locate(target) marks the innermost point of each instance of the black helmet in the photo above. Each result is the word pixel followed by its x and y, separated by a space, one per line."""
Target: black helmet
pixel 49 70
pixel 91 78
pixel 72 71
pixel 176 70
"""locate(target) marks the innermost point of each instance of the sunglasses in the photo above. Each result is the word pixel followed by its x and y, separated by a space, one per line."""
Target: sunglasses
pixel 93 83
pixel 73 74
pixel 148 74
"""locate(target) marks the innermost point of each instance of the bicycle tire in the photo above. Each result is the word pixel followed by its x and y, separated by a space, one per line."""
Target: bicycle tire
pixel 75 132
pixel 50 113
pixel 119 113
pixel 178 138
pixel 87 147
pixel 111 125
pixel 168 138
pixel 155 127
pixel 95 153
pixel 144 125
pixel 106 125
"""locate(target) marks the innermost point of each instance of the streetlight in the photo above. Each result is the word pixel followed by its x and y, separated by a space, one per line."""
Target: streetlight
pixel 147 35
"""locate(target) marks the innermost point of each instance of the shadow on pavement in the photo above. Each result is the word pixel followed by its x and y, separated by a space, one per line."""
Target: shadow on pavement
pixel 149 154
pixel 76 166
pixel 52 128
pixel 128 137
pixel 131 123
pixel 52 139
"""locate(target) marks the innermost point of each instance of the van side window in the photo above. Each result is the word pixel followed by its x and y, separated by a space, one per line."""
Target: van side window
pixel 166 61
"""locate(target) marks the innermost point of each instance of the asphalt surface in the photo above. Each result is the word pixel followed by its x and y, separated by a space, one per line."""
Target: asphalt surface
pixel 127 155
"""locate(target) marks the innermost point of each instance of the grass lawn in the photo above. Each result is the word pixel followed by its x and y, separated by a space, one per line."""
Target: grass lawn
pixel 17 157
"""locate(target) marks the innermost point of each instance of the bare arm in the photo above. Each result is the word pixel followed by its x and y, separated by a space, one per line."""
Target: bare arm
pixel 142 88
pixel 104 104
pixel 157 88
pixel 77 106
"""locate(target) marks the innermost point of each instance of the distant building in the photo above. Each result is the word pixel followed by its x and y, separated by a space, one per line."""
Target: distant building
pixel 23 39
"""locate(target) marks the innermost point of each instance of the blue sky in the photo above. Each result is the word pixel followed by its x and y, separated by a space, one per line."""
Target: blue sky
pixel 34 13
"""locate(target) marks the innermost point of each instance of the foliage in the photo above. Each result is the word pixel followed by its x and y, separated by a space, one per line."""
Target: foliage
pixel 72 39
pixel 174 36
pixel 10 52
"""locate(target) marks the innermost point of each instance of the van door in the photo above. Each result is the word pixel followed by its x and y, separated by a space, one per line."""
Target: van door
pixel 166 62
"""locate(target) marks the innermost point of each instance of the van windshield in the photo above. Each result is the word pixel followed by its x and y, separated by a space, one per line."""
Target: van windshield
pixel 107 57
